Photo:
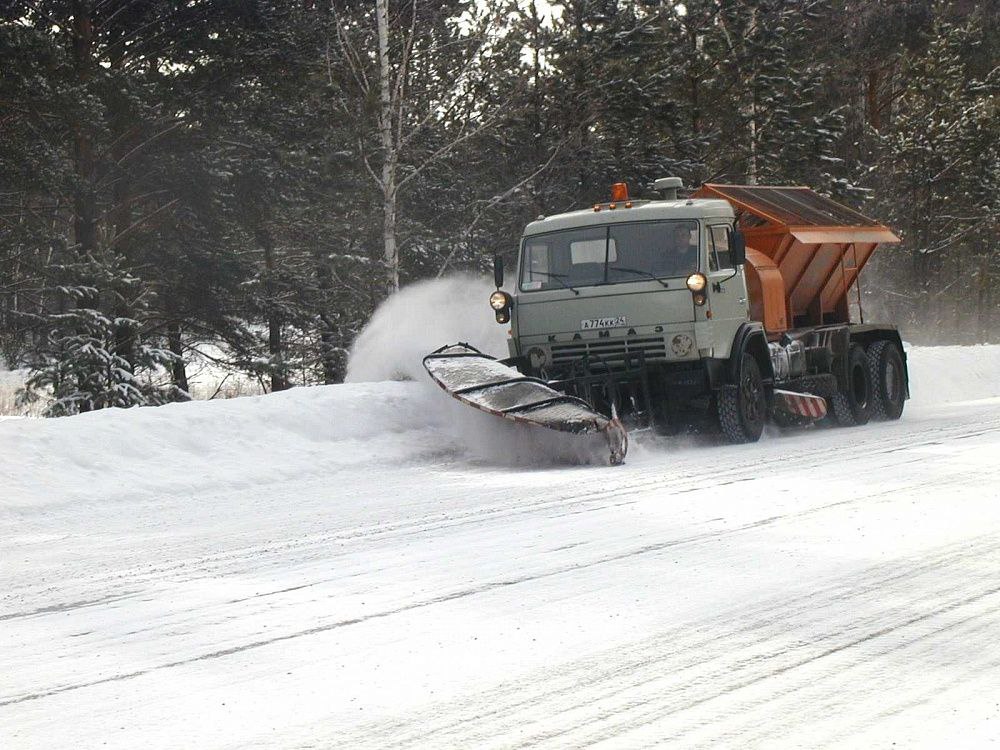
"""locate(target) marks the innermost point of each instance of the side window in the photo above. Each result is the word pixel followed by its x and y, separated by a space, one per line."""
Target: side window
pixel 536 266
pixel 719 256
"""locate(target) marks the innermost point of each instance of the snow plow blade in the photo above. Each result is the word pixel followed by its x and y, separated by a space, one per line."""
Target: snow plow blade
pixel 489 385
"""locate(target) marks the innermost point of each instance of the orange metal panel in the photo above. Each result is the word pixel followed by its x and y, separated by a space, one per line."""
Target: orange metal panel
pixel 806 294
pixel 788 206
pixel 716 191
pixel 767 239
pixel 818 310
pixel 766 290
pixel 793 266
pixel 783 247
pixel 837 290
pixel 819 235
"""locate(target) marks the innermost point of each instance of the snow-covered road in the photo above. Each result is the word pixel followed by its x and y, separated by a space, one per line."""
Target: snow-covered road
pixel 325 568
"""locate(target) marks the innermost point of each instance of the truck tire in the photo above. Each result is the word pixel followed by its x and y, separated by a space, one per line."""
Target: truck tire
pixel 742 407
pixel 885 370
pixel 853 406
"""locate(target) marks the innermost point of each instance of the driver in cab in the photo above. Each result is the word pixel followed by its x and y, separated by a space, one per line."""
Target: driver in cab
pixel 682 250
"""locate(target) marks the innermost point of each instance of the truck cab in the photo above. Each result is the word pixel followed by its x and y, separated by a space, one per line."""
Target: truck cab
pixel 623 281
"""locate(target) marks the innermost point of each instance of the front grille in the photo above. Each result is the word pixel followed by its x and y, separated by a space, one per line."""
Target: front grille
pixel 611 352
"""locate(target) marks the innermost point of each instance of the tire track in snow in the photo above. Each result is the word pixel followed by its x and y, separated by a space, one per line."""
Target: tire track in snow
pixel 222 607
pixel 805 701
pixel 483 588
pixel 649 478
pixel 683 668
pixel 566 504
pixel 846 655
pixel 67 606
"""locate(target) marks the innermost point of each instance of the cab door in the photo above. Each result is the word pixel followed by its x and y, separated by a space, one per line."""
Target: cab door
pixel 727 291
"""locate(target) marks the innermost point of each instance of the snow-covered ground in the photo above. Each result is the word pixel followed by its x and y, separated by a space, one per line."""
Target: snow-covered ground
pixel 347 566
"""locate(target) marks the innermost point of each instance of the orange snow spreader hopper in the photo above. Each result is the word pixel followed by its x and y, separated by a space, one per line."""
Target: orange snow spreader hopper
pixel 804 253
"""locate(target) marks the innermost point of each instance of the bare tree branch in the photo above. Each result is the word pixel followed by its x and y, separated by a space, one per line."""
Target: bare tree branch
pixel 139 222
pixel 467 231
pixel 447 148
pixel 351 55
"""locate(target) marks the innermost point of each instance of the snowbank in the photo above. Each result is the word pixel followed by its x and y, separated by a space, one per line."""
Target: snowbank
pixel 945 374
pixel 240 442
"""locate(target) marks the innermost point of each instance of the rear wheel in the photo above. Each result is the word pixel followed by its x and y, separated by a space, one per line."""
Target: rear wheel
pixel 853 406
pixel 743 408
pixel 885 370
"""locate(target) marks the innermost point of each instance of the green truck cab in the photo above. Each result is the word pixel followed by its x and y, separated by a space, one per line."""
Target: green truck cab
pixel 642 308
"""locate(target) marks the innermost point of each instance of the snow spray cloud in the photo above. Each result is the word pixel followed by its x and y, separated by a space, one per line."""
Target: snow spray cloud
pixel 421 318
pixel 425 316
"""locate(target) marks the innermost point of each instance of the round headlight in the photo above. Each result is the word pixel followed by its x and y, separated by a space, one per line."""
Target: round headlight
pixel 499 300
pixel 697 282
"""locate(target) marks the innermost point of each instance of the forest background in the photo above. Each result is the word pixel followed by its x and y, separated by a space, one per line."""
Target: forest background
pixel 245 181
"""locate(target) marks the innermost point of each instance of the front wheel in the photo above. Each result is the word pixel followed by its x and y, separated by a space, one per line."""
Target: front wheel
pixel 742 408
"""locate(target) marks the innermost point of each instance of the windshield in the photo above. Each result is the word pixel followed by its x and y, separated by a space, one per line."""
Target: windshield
pixel 609 254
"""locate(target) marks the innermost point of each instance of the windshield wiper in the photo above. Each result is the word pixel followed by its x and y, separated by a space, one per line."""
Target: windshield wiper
pixel 558 277
pixel 639 271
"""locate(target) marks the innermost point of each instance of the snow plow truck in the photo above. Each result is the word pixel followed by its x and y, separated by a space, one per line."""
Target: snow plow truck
pixel 735 302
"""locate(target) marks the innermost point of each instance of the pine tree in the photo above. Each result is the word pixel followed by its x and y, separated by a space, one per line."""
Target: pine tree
pixel 941 162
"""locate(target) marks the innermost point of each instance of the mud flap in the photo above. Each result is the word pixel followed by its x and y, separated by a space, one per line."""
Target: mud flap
pixel 804 405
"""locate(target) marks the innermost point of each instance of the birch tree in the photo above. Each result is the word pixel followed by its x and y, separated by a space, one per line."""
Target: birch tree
pixel 431 80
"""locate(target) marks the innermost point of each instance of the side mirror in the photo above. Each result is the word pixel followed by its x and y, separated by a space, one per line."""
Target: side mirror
pixel 498 270
pixel 738 248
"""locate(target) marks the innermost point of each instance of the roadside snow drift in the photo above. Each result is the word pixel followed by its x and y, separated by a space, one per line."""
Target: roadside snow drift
pixel 201 445
pixel 945 374
pixel 320 430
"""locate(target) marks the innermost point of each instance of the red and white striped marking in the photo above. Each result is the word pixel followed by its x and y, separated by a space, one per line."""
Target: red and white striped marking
pixel 802 404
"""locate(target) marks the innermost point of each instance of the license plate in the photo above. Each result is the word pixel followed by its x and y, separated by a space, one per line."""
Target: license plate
pixel 620 322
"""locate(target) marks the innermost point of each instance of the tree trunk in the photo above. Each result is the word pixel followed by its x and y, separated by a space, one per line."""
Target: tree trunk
pixel 126 335
pixel 330 359
pixel 176 346
pixel 983 308
pixel 275 346
pixel 84 197
pixel 872 100
pixel 694 82
pixel 390 155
